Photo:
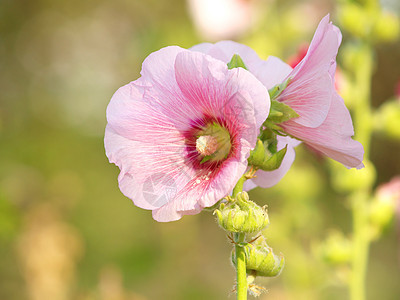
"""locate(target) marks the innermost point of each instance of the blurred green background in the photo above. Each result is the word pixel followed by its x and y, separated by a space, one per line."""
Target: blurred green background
pixel 67 232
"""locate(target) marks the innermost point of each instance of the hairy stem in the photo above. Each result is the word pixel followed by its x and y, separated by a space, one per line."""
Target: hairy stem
pixel 241 280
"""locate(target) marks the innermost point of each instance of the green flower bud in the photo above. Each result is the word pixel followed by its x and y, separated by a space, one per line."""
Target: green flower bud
pixel 260 260
pixel 242 215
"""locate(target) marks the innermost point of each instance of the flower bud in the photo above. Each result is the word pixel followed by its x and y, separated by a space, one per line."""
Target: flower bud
pixel 260 260
pixel 242 215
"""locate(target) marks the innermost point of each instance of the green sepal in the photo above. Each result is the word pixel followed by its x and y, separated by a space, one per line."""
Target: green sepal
pixel 262 158
pixel 280 112
pixel 275 91
pixel 257 155
pixel 236 62
pixel 275 161
pixel 268 137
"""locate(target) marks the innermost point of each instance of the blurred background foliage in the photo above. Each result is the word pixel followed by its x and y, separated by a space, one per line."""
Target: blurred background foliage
pixel 66 231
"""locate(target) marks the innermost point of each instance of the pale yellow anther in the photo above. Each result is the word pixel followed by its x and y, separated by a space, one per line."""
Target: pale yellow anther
pixel 206 145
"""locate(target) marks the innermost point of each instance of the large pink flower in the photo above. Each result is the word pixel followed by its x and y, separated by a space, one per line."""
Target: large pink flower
pixel 181 134
pixel 324 123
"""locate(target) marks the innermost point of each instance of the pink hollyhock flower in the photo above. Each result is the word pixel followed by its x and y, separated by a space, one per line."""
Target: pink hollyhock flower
pixel 181 134
pixel 324 123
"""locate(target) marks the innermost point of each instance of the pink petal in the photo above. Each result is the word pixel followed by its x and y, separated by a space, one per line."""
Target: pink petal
pixel 202 85
pixel 333 137
pixel 270 72
pixel 224 50
pixel 310 91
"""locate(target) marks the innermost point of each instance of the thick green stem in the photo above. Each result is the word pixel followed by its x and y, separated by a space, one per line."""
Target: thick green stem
pixel 241 280
pixel 363 126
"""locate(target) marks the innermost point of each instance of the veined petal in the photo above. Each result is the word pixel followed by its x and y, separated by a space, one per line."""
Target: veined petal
pixel 333 137
pixel 243 97
pixel 309 92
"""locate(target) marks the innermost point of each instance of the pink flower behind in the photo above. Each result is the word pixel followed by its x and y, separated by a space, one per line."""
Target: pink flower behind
pixel 325 123
pixel 165 129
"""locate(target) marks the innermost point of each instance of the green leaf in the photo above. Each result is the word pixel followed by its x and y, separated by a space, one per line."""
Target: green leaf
pixel 275 91
pixel 236 62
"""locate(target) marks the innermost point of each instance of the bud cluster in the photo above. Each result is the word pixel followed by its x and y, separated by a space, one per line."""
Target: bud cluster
pixel 243 216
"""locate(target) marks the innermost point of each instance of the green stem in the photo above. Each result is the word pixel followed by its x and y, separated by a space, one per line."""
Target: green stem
pixel 359 199
pixel 239 186
pixel 241 280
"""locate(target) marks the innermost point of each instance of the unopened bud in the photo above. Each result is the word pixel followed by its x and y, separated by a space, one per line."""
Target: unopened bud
pixel 242 215
pixel 260 259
